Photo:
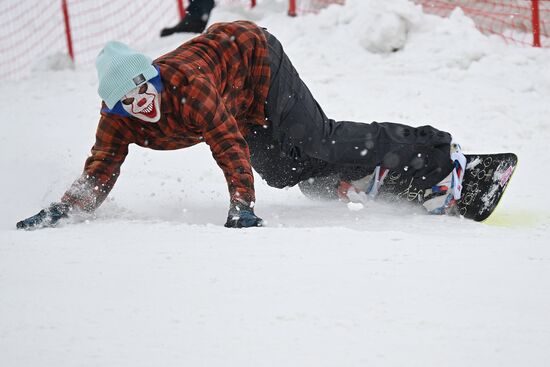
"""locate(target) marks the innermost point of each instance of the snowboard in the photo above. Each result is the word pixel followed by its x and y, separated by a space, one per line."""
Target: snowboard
pixel 484 183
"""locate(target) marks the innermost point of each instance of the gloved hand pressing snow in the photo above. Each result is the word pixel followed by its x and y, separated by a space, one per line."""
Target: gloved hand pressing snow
pixel 241 215
pixel 46 217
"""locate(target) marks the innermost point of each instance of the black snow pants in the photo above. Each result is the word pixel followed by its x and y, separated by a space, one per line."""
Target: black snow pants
pixel 300 142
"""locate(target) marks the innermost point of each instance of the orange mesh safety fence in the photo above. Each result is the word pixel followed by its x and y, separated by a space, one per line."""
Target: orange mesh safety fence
pixel 512 20
pixel 34 32
pixel 297 7
pixel 31 30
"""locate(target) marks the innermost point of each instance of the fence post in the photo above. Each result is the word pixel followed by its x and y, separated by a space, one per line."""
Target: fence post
pixel 181 9
pixel 65 10
pixel 536 22
pixel 292 8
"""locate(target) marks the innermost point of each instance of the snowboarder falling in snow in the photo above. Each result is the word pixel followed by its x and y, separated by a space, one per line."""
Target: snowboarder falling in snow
pixel 235 89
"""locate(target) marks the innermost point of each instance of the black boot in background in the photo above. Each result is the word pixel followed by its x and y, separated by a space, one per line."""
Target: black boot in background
pixel 196 18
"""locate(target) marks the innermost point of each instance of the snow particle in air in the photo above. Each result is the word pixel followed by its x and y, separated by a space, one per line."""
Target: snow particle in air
pixel 355 207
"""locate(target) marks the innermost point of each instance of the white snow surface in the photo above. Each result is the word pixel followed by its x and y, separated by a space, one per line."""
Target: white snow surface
pixel 156 280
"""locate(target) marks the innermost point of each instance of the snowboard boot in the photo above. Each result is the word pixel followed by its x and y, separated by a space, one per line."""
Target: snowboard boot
pixel 363 189
pixel 443 197
pixel 188 25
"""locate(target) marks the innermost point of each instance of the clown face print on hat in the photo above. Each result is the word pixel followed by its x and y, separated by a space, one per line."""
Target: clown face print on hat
pixel 143 102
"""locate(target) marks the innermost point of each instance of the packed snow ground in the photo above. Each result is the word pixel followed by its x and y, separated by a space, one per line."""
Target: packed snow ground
pixel 155 278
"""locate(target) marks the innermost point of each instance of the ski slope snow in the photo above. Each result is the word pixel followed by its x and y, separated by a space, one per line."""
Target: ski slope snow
pixel 155 278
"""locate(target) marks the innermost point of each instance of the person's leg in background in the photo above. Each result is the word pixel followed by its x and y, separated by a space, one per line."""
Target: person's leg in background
pixel 195 20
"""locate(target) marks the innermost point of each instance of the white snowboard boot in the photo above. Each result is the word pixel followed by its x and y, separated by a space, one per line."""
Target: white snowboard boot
pixel 363 189
pixel 442 198
pixel 439 199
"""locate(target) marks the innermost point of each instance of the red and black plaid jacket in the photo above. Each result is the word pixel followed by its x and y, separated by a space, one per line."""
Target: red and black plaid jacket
pixel 214 85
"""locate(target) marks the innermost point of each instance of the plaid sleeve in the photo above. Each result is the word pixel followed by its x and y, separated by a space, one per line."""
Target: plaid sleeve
pixel 102 167
pixel 204 109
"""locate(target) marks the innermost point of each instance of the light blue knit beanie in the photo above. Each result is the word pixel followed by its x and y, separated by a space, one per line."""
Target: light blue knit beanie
pixel 121 69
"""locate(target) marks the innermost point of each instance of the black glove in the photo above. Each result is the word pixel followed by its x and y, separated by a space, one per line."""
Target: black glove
pixel 46 217
pixel 241 215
